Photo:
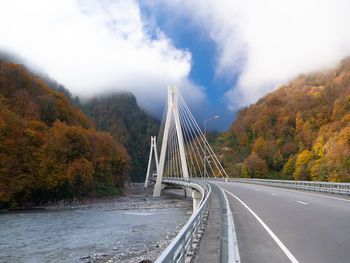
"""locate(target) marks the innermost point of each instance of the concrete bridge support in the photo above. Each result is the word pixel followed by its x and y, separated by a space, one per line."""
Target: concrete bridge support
pixel 196 197
pixel 152 152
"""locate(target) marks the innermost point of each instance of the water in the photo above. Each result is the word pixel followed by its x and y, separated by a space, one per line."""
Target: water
pixel 70 235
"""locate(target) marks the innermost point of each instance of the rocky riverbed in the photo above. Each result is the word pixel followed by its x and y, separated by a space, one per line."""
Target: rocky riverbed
pixel 135 197
pixel 139 198
pixel 133 255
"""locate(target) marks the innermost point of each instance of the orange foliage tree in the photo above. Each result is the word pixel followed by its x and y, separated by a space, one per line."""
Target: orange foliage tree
pixel 48 148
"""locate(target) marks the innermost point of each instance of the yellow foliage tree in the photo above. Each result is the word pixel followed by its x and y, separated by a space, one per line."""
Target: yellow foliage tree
pixel 244 171
pixel 299 122
pixel 319 147
pixel 259 147
pixel 304 158
pixel 301 172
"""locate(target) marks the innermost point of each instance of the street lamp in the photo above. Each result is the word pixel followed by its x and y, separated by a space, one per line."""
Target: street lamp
pixel 205 146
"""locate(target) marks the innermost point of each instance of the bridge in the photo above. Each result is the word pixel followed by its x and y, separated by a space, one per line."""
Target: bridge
pixel 243 220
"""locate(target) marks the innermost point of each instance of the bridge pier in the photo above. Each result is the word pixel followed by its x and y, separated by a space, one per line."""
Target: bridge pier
pixel 158 187
pixel 188 191
pixel 196 197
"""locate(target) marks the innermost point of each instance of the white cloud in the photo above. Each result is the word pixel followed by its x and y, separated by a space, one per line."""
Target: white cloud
pixel 96 46
pixel 269 42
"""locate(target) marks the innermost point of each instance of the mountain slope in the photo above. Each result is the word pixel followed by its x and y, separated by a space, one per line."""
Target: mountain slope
pixel 120 115
pixel 48 148
pixel 300 131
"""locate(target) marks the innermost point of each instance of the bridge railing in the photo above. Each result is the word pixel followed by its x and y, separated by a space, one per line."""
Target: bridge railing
pixel 325 187
pixel 182 244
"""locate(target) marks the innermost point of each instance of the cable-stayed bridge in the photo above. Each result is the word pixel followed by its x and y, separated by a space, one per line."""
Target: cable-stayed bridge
pixel 252 220
pixel 185 151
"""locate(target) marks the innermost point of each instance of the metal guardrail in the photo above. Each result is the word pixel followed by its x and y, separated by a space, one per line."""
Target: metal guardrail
pixel 325 187
pixel 228 240
pixel 182 244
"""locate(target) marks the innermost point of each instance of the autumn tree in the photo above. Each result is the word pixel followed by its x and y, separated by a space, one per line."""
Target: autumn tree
pixel 48 148
pixel 255 167
pixel 289 168
pixel 301 166
pixel 259 148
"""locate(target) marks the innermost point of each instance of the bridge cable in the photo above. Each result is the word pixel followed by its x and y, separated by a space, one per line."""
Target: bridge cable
pixel 197 140
pixel 206 144
pixel 203 137
pixel 189 142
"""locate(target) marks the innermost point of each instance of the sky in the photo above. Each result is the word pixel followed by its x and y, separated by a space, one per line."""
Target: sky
pixel 223 55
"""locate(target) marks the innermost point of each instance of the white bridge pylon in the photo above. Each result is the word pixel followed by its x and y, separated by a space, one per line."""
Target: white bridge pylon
pixel 185 151
pixel 152 152
pixel 172 112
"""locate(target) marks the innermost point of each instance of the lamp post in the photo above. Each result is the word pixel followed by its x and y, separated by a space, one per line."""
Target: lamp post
pixel 205 146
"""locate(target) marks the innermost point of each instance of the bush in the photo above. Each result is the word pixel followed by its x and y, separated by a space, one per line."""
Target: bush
pixel 105 189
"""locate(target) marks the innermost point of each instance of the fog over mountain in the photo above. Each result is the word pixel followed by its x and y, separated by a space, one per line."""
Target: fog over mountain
pixel 239 50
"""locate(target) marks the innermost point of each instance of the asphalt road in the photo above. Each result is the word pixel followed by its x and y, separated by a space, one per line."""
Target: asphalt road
pixel 289 225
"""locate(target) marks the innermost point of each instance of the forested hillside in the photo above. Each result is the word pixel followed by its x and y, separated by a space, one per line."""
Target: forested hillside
pixel 300 131
pixel 120 115
pixel 48 148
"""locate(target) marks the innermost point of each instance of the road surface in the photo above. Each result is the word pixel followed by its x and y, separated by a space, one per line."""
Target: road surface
pixel 281 225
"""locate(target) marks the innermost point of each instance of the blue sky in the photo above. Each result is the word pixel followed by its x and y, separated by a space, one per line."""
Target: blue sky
pixel 185 34
pixel 223 55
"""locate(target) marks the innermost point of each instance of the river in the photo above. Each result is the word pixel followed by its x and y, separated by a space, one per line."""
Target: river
pixel 95 233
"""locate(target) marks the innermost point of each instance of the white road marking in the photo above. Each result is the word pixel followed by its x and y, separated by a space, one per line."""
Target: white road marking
pixel 274 237
pixel 331 197
pixel 257 190
pixel 303 203
pixel 274 194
